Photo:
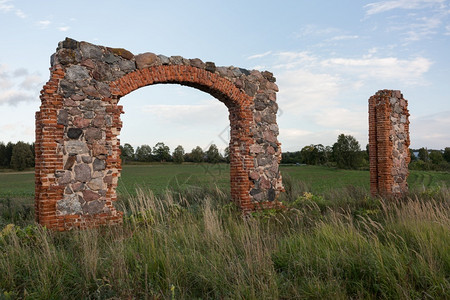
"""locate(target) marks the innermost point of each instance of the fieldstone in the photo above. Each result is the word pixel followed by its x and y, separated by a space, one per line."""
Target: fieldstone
pixel 197 63
pixel 82 172
pixel 78 186
pixel 76 72
pixel 98 149
pixel 111 58
pixel 70 162
pixel 107 179
pixel 269 118
pixel 74 111
pixel 88 63
pixel 271 194
pixel 91 91
pixel 127 65
pixel 90 195
pixel 97 174
pixel 263 159
pixel 95 207
pixel 146 60
pixel 93 133
pixel 258 195
pixel 78 97
pixel 102 72
pixel 264 183
pixel 68 190
pixel 103 89
pixel 121 52
pixel 88 114
pixel 81 122
pixel 269 136
pixel 69 102
pixel 250 88
pixel 99 164
pixel 96 184
pixel 236 72
pixel 99 121
pixel 68 56
pixel 76 147
pixel 69 205
pixel 254 175
pixel 210 67
pixel 269 76
pixel 69 43
pixel 74 133
pixel 66 178
pixel 90 51
pixel 164 59
pixel 67 88
pixel 63 117
pixel 86 159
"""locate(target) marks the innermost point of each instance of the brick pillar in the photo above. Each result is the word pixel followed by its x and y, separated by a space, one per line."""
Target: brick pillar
pixel 388 143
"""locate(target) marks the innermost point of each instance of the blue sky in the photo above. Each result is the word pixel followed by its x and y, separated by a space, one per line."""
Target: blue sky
pixel 328 57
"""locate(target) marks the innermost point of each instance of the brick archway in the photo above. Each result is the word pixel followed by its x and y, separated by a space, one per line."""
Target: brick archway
pixel 77 128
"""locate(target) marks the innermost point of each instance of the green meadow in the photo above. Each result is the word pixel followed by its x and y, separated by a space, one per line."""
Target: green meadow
pixel 183 239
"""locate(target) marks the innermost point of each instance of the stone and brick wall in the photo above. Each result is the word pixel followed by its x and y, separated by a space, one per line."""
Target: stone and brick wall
pixel 77 129
pixel 388 143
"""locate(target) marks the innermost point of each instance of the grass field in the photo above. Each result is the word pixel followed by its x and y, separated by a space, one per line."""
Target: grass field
pixel 159 177
pixel 333 241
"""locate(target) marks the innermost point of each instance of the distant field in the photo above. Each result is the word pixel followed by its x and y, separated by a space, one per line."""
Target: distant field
pixel 159 177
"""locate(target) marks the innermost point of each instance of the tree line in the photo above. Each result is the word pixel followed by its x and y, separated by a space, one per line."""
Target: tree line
pixel 436 160
pixel 346 153
pixel 17 156
pixel 161 153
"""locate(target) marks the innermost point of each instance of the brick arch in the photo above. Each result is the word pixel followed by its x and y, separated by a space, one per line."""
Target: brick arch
pixel 77 128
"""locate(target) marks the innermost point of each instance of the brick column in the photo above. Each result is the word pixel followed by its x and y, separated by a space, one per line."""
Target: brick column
pixel 388 143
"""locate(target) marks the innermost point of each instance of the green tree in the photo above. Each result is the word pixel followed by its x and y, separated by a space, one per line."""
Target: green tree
pixel 347 152
pixel 423 154
pixel 144 153
pixel 7 155
pixel 2 154
pixel 213 155
pixel 161 152
pixel 21 157
pixel 436 157
pixel 127 152
pixel 446 154
pixel 178 154
pixel 412 155
pixel 197 154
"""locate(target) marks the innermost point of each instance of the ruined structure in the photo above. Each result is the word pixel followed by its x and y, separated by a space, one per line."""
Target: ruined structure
pixel 388 143
pixel 77 128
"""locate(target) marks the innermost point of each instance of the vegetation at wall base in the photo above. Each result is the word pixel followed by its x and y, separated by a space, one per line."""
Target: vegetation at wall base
pixel 192 243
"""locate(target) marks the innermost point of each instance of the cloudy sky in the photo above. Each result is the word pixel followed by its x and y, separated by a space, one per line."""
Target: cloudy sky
pixel 328 57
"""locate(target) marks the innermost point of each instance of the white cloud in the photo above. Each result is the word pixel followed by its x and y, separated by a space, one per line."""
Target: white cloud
pixel 43 24
pixel 259 55
pixel 383 69
pixel 18 86
pixel 20 14
pixel 5 6
pixel 314 30
pixel 383 6
pixel 344 37
pixel 64 28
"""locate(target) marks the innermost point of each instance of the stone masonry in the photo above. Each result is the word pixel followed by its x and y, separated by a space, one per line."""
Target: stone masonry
pixel 388 143
pixel 77 128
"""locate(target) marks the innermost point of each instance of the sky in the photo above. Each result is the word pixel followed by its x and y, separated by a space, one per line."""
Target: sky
pixel 328 57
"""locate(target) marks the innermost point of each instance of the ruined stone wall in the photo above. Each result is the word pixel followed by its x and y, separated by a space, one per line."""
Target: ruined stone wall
pixel 77 147
pixel 388 143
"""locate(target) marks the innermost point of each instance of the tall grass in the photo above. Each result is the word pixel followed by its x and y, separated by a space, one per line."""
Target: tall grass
pixel 194 244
